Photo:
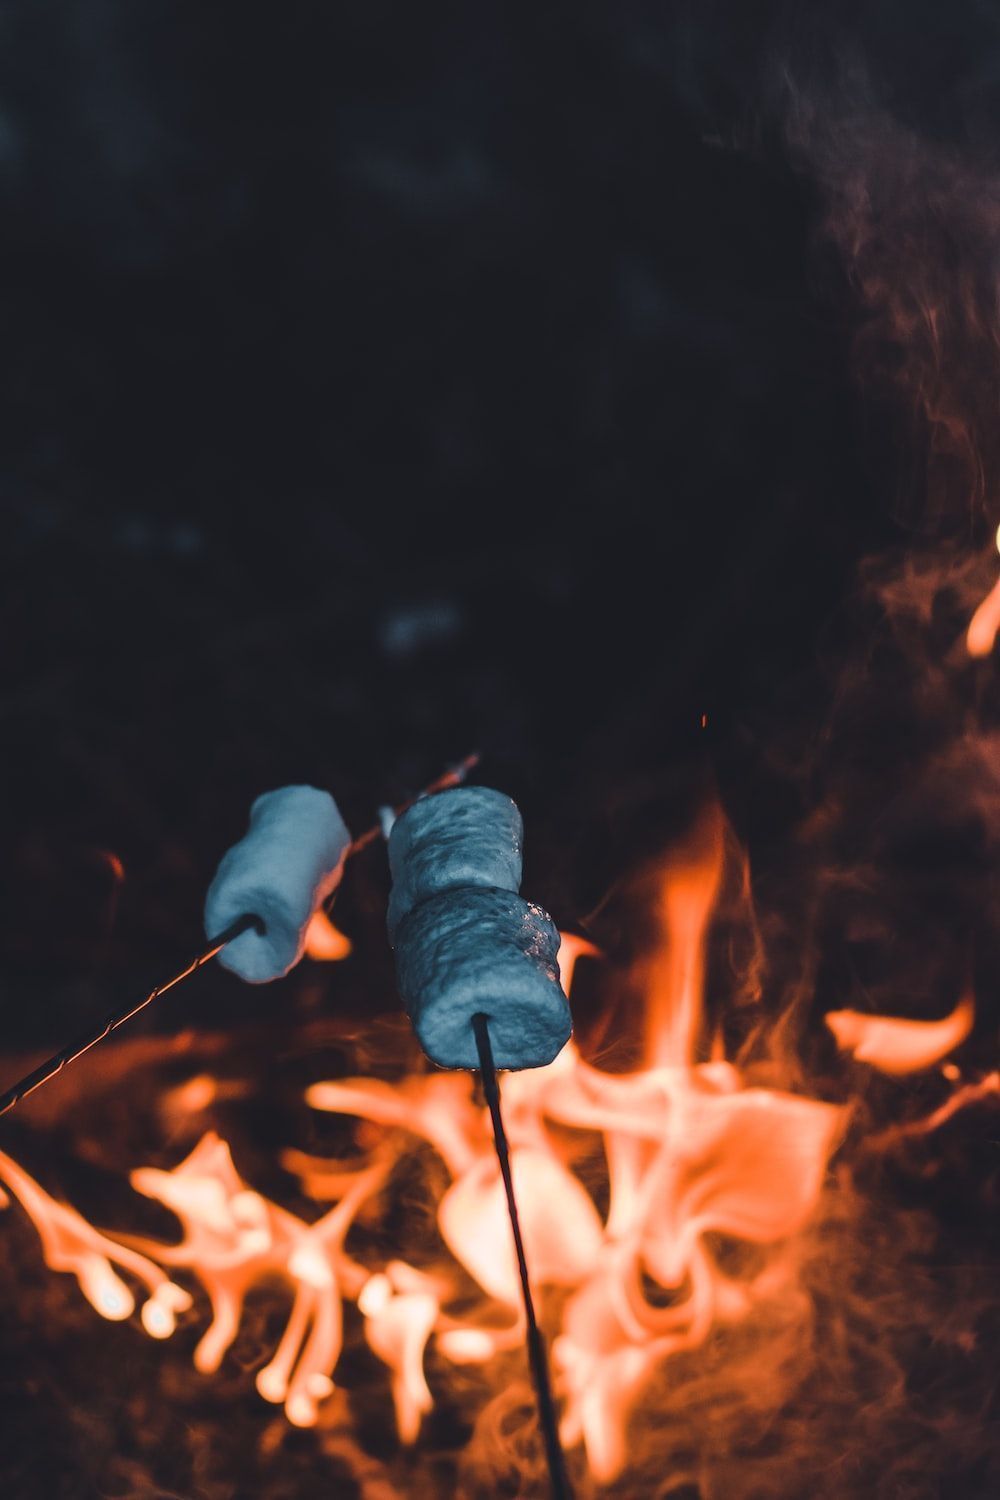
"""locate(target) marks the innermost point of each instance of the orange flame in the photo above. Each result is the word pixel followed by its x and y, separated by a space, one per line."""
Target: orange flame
pixel 985 623
pixel 324 942
pixel 691 1151
pixel 401 1307
pixel 233 1238
pixel 961 1098
pixel 571 950
pixel 70 1244
pixel 894 1045
pixel 673 979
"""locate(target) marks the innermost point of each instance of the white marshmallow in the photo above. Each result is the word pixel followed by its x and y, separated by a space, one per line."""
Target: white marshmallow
pixel 478 950
pixel 465 941
pixel 290 861
pixel 470 835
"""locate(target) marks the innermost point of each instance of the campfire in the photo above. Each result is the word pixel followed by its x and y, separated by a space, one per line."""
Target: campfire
pixel 679 1201
pixel 626 409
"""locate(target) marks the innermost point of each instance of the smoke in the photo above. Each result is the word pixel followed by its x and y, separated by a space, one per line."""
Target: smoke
pixel 883 118
pixel 916 224
pixel 867 1381
pixel 891 744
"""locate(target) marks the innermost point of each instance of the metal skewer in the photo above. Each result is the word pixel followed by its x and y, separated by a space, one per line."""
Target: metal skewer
pixel 77 1048
pixel 537 1359
pixel 73 1050
pixel 454 776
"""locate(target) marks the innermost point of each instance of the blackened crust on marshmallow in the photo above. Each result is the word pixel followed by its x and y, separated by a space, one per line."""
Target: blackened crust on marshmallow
pixel 468 836
pixel 480 949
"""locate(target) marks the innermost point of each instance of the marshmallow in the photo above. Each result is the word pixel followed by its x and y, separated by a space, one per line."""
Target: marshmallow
pixel 289 862
pixel 466 943
pixel 481 950
pixel 469 836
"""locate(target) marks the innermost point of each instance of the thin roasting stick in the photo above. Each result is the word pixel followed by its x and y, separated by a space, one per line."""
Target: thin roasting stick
pixel 547 1418
pixel 454 776
pixel 73 1050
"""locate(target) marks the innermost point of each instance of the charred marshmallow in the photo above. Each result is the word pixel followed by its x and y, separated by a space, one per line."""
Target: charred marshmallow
pixel 465 941
pixel 289 862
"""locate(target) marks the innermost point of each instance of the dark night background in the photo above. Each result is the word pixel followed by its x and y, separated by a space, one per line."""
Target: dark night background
pixel 382 382
pixel 314 320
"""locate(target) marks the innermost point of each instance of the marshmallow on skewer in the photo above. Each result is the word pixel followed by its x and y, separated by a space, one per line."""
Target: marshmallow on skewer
pixel 471 836
pixel 289 862
pixel 478 950
pixel 465 941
